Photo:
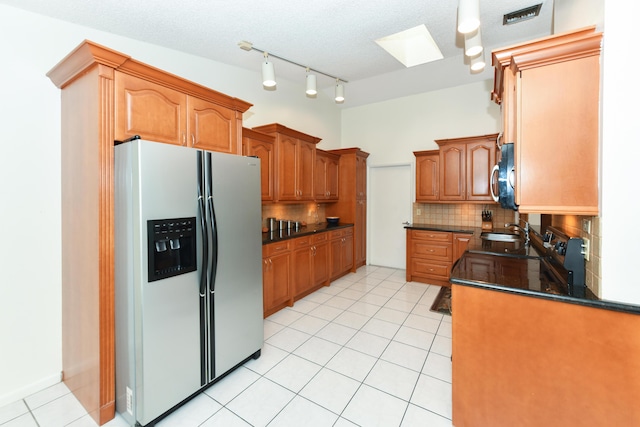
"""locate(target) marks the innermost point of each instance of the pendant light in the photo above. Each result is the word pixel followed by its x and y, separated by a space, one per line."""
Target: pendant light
pixel 339 92
pixel 473 43
pixel 468 15
pixel 311 84
pixel 268 72
pixel 477 63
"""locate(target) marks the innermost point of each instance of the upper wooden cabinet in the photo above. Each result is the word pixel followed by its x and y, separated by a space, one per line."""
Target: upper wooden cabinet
pixel 464 169
pixel 158 113
pixel 261 145
pixel 327 175
pixel 427 175
pixel 295 162
pixel 549 91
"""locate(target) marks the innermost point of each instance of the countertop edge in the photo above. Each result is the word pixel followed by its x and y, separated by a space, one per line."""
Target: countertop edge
pixel 437 227
pixel 601 304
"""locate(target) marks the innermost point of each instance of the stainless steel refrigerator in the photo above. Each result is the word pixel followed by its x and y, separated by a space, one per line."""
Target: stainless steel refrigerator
pixel 188 272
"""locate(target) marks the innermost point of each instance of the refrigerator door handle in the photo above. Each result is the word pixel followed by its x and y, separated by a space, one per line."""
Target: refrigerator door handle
pixel 203 226
pixel 212 224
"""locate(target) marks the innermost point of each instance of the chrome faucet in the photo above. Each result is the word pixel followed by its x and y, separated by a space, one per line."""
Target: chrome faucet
pixel 522 230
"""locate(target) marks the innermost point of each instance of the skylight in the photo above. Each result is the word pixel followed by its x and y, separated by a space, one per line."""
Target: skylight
pixel 411 47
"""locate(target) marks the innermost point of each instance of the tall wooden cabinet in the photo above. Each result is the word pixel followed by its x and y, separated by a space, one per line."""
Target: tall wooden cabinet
pixel 261 145
pixel 352 206
pixel 106 95
pixel 295 161
pixel 549 91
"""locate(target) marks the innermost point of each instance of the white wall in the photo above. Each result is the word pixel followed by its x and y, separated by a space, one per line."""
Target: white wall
pixel 30 261
pixel 392 130
pixel 620 155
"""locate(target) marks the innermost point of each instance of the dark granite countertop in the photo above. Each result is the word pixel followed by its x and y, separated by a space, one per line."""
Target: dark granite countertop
pixel 522 275
pixel 280 235
pixel 514 268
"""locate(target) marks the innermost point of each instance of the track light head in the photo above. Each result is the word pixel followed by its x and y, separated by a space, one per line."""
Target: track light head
pixel 268 72
pixel 311 84
pixel 339 92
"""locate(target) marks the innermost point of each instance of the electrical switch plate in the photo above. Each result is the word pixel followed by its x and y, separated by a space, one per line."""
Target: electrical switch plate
pixel 418 211
pixel 586 225
pixel 586 248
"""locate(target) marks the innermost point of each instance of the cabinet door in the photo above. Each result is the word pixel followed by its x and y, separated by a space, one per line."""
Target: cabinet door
pixel 154 112
pixel 336 257
pixel 452 172
pixel 287 168
pixel 360 233
pixel 333 178
pixel 305 177
pixel 276 281
pixel 361 177
pixel 320 173
pixel 460 245
pixel 567 180
pixel 212 127
pixel 265 151
pixel 427 177
pixel 321 259
pixel 347 252
pixel 301 267
pixel 480 158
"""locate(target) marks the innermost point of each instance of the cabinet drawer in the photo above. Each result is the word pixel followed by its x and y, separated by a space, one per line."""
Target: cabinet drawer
pixel 348 231
pixel 275 248
pixel 429 250
pixel 301 242
pixel 434 236
pixel 428 268
pixel 318 238
pixel 336 234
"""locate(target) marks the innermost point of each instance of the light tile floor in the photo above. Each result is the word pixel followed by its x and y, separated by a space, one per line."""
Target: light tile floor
pixel 366 351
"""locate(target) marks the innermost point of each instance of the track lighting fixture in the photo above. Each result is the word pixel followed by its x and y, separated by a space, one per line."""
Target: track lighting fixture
pixel 311 84
pixel 268 72
pixel 468 15
pixel 339 92
pixel 269 79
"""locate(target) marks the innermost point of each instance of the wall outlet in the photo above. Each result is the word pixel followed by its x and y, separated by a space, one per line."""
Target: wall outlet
pixel 586 247
pixel 418 211
pixel 129 401
pixel 586 225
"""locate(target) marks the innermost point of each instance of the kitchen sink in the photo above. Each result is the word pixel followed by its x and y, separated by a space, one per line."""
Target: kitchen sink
pixel 500 237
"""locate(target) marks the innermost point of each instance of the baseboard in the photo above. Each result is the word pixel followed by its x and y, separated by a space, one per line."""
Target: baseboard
pixel 29 389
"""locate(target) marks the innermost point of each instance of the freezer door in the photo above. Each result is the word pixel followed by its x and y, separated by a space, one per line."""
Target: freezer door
pixel 238 322
pixel 167 313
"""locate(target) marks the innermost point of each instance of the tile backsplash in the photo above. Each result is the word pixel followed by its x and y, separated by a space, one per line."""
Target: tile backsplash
pixel 465 214
pixel 295 212
pixel 572 226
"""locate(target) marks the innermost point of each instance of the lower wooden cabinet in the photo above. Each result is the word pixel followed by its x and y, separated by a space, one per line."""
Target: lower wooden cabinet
pixel 276 277
pixel 341 252
pixel 431 254
pixel 294 268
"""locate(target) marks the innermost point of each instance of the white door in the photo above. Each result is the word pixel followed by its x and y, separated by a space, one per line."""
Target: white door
pixel 389 204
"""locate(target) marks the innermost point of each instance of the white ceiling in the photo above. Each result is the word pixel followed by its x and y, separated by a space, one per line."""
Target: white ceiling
pixel 333 36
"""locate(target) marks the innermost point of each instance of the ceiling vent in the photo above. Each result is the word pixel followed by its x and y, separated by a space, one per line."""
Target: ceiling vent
pixel 521 15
